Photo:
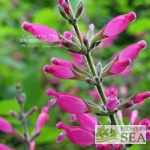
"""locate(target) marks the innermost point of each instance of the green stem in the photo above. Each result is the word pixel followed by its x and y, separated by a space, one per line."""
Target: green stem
pixel 24 123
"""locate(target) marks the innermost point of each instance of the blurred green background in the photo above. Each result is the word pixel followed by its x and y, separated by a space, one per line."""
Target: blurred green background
pixel 22 61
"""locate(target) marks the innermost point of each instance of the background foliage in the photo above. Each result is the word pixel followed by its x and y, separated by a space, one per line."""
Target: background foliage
pixel 22 58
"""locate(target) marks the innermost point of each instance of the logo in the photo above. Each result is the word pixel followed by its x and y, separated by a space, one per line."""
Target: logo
pixel 120 134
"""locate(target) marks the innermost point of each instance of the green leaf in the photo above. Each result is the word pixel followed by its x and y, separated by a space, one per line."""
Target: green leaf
pixel 47 135
pixel 7 105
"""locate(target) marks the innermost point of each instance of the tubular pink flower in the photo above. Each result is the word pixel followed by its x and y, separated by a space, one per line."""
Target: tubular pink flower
pixel 67 35
pixel 42 32
pixel 120 66
pixel 4 147
pixel 42 118
pixel 67 102
pixel 5 126
pixel 112 100
pixel 134 117
pixel 61 62
pixel 118 24
pixel 87 121
pixel 141 97
pixel 59 71
pixel 132 51
pixel 77 135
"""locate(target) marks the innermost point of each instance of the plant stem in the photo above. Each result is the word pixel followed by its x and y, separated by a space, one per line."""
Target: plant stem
pixel 24 123
pixel 94 73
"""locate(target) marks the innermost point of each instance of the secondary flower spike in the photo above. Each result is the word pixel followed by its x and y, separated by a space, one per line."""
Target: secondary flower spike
pixel 67 102
pixel 77 135
pixel 5 126
pixel 42 32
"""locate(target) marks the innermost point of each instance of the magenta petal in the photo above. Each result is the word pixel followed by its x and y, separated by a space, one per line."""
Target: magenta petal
pixel 141 96
pixel 118 24
pixel 71 104
pixel 5 126
pixel 67 35
pixel 148 135
pixel 103 147
pixel 61 62
pixel 4 147
pixel 134 117
pixel 132 51
pixel 119 66
pixel 32 145
pixel 112 103
pixel 42 32
pixel 59 71
pixel 73 118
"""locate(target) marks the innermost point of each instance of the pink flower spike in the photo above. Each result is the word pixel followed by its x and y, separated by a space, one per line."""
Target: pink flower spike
pixel 134 117
pixel 141 97
pixel 42 32
pixel 61 62
pixel 58 71
pixel 5 126
pixel 119 66
pixel 32 145
pixel 67 35
pixel 118 24
pixel 42 118
pixel 77 135
pixel 87 121
pixel 132 51
pixel 4 147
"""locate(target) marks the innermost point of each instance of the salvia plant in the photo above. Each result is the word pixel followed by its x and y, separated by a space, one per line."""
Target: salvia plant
pixel 80 46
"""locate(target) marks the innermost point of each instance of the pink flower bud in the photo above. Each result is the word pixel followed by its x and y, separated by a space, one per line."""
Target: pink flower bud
pixel 61 2
pixel 41 32
pixel 59 71
pixel 117 146
pixel 66 7
pixel 5 126
pixel 42 118
pixel 61 62
pixel 67 35
pixel 67 102
pixel 103 147
pixel 141 97
pixel 118 24
pixel 120 66
pixel 77 135
pixel 132 51
pixel 87 121
pixel 134 117
pixel 4 147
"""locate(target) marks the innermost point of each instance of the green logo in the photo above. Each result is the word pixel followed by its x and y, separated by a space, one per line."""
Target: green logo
pixel 105 134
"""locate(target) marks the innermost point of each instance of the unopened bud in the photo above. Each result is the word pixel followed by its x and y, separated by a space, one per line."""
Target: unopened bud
pixel 91 31
pixel 63 14
pixel 90 81
pixel 85 41
pixel 13 114
pixel 99 69
pixel 79 10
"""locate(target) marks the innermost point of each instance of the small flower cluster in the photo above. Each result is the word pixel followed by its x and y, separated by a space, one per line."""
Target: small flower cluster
pixel 7 128
pixel 82 68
